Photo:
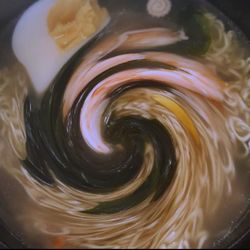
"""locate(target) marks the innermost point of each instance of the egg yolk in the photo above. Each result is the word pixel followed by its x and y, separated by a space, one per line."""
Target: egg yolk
pixel 180 114
pixel 70 22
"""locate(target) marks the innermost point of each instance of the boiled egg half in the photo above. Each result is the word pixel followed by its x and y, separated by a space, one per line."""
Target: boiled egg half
pixel 50 32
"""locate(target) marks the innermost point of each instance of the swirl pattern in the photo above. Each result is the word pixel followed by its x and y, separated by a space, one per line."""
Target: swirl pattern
pixel 135 131
pixel 159 8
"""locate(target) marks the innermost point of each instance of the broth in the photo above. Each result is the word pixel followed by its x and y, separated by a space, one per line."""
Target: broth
pixel 131 131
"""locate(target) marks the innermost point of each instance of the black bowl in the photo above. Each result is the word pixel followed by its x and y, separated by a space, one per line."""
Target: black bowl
pixel 238 12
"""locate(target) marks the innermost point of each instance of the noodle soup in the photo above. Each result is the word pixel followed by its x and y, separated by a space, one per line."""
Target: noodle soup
pixel 124 125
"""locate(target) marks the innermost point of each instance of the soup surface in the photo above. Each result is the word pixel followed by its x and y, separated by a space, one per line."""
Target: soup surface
pixel 124 124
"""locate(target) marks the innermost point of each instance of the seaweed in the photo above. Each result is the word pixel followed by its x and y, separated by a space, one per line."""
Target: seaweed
pixel 192 19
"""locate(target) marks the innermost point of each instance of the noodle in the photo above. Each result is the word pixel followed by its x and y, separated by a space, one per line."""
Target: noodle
pixel 232 57
pixel 13 92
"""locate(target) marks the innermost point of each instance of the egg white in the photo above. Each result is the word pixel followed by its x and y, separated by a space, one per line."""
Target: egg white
pixel 36 49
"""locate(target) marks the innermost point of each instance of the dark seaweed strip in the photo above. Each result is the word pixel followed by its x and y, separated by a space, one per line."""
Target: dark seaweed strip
pixel 138 84
pixel 164 165
pixel 196 28
pixel 34 164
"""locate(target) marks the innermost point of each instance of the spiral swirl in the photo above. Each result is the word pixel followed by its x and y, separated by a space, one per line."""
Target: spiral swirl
pixel 159 8
pixel 122 130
